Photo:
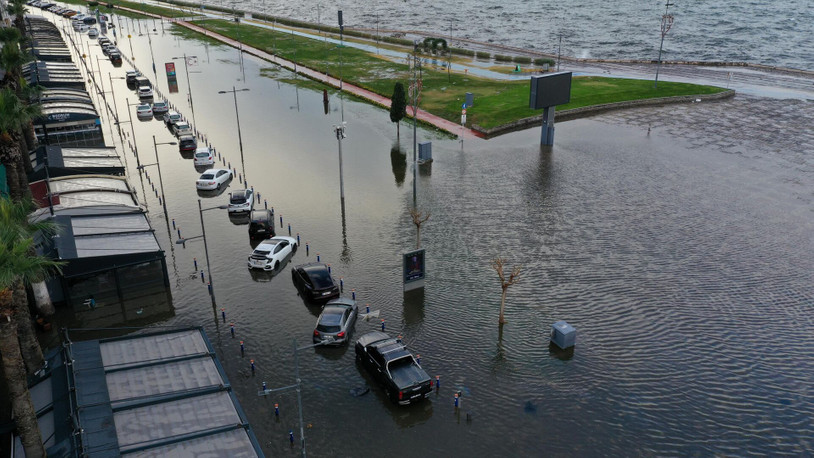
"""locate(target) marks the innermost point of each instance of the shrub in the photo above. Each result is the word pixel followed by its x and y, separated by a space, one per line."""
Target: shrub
pixel 502 58
pixel 543 61
pixel 484 55
pixel 522 60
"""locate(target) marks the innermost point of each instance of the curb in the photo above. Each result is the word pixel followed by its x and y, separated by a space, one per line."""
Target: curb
pixel 584 112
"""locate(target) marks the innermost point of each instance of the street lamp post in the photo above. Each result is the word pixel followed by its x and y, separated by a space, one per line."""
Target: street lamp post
pixel 340 134
pixel 237 117
pixel 666 24
pixel 133 131
pixel 160 180
pixel 189 87
pixel 113 93
pixel 206 248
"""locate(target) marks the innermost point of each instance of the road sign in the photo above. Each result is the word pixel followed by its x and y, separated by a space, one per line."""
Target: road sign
pixel 463 112
pixel 463 119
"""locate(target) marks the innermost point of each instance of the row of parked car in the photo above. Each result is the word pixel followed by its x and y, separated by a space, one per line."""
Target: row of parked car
pixel 385 358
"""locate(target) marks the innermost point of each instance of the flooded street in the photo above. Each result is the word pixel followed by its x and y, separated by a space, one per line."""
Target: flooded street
pixel 677 241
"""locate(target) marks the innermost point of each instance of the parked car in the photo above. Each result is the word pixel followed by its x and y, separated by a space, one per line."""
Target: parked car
pixel 395 368
pixel 314 282
pixel 171 117
pixel 272 253
pixel 187 143
pixel 144 111
pixel 145 92
pixel 130 77
pixel 82 28
pixel 181 128
pixel 261 224
pixel 142 81
pixel 89 20
pixel 203 156
pixel 336 321
pixel 241 201
pixel 161 107
pixel 116 58
pixel 93 32
pixel 213 179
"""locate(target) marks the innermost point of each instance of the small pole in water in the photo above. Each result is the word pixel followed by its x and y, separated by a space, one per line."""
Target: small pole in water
pixel 251 361
pixel 353 293
pixel 232 329
pixel 195 263
pixel 264 387
pixel 437 381
pixel 382 324
pixel 223 314
pixel 276 409
pixel 367 307
pixel 242 349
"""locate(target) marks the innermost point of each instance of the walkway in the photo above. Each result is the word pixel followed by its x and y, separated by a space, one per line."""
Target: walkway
pixel 424 116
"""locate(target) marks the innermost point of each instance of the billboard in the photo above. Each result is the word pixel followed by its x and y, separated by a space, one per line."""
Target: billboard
pixel 550 90
pixel 170 67
pixel 413 269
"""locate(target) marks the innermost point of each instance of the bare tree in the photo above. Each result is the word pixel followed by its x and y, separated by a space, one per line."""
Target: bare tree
pixel 418 219
pixel 498 264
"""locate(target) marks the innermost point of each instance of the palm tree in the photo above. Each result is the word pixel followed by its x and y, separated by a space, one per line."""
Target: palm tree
pixel 14 114
pixel 12 58
pixel 18 9
pixel 17 264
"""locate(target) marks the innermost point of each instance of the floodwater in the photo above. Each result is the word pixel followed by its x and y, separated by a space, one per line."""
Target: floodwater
pixel 684 262
pixel 771 33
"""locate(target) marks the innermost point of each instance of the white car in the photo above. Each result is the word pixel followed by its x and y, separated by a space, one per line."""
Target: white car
pixel 171 117
pixel 93 32
pixel 145 92
pixel 213 179
pixel 271 253
pixel 203 156
pixel 181 128
pixel 144 111
pixel 241 201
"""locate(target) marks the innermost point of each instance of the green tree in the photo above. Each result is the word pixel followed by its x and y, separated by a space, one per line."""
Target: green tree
pixel 14 114
pixel 18 9
pixel 18 265
pixel 398 106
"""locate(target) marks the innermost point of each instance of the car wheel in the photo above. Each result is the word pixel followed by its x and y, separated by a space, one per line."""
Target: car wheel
pixel 294 248
pixel 218 185
pixel 276 265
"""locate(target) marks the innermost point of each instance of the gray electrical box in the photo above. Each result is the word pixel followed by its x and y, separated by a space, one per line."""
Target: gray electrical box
pixel 470 99
pixel 425 151
pixel 563 335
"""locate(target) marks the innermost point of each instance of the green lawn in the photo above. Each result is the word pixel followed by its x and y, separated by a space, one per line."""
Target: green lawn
pixel 497 102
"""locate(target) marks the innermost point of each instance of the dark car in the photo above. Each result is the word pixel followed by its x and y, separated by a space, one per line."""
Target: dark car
pixel 314 282
pixel 116 58
pixel 389 362
pixel 130 77
pixel 261 225
pixel 336 321
pixel 187 143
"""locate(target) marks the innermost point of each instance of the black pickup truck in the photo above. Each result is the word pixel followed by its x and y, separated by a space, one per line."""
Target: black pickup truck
pixel 388 360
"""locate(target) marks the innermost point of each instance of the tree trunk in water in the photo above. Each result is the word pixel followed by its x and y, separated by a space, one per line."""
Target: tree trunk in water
pixel 42 299
pixel 502 319
pixel 29 347
pixel 418 237
pixel 24 415
pixel 398 130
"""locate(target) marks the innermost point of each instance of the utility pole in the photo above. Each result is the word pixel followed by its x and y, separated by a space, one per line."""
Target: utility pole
pixel 415 95
pixel 666 24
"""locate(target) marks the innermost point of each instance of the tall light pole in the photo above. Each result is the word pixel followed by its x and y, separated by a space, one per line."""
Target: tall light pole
pixel 340 134
pixel 160 180
pixel 189 86
pixel 113 93
pixel 206 248
pixel 666 23
pixel 132 131
pixel 415 94
pixel 237 117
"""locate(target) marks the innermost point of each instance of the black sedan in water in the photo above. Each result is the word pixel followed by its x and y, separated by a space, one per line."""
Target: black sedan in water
pixel 314 282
